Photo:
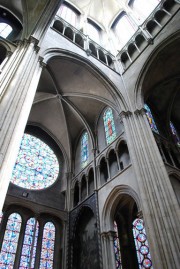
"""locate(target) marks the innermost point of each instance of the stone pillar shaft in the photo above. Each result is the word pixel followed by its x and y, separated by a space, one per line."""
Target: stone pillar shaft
pixel 159 204
pixel 19 82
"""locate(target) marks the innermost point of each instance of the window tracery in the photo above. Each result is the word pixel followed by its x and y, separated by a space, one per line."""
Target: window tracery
pixel 84 150
pixel 10 241
pixel 151 119
pixel 47 251
pixel 36 166
pixel 109 125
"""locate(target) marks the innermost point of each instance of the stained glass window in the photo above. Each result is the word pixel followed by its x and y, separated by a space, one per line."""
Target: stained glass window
pixel 109 126
pixel 36 166
pixel 84 150
pixel 151 119
pixel 142 248
pixel 29 245
pixel 175 134
pixel 117 248
pixel 9 245
pixel 47 251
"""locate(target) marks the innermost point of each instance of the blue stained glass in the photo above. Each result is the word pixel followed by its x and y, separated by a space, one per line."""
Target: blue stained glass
pixel 117 248
pixel 47 251
pixel 36 166
pixel 109 126
pixel 84 150
pixel 142 248
pixel 175 134
pixel 29 245
pixel 10 241
pixel 151 119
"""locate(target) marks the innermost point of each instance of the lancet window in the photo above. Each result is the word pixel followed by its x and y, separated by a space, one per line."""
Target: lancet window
pixel 151 119
pixel 47 251
pixel 109 125
pixel 29 245
pixel 142 248
pixel 68 14
pixel 117 248
pixel 84 149
pixel 175 134
pixel 10 242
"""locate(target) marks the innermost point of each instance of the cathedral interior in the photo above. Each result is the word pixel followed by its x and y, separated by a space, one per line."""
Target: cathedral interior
pixel 89 134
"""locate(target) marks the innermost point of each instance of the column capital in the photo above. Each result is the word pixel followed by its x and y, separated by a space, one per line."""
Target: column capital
pixel 125 114
pixel 41 62
pixel 141 111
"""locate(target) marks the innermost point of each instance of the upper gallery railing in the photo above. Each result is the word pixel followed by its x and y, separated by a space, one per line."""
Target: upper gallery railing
pixel 137 43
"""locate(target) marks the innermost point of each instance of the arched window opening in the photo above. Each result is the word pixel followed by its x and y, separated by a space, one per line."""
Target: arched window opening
pixel 83 188
pixel 103 171
pixel 117 248
pixel 69 14
pixel 124 29
pixel 113 166
pixel 151 119
pixel 141 10
pixel 84 150
pixel 123 153
pixel 93 32
pixel 28 253
pixel 123 237
pixel 5 30
pixel 76 193
pixel 109 125
pixel 36 166
pixel 166 154
pixel 174 134
pixel 175 158
pixel 142 248
pixel 91 181
pixel 175 181
pixel 85 241
pixel 47 251
pixel 10 241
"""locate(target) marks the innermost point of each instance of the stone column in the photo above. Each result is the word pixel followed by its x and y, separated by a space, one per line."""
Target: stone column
pixel 80 198
pixel 118 161
pixel 159 204
pixel 108 250
pixel 19 81
pixel 108 168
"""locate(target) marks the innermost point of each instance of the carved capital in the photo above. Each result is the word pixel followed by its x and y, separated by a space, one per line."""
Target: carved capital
pixel 41 62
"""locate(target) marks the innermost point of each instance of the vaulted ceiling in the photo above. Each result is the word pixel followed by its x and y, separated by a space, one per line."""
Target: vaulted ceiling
pixel 69 99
